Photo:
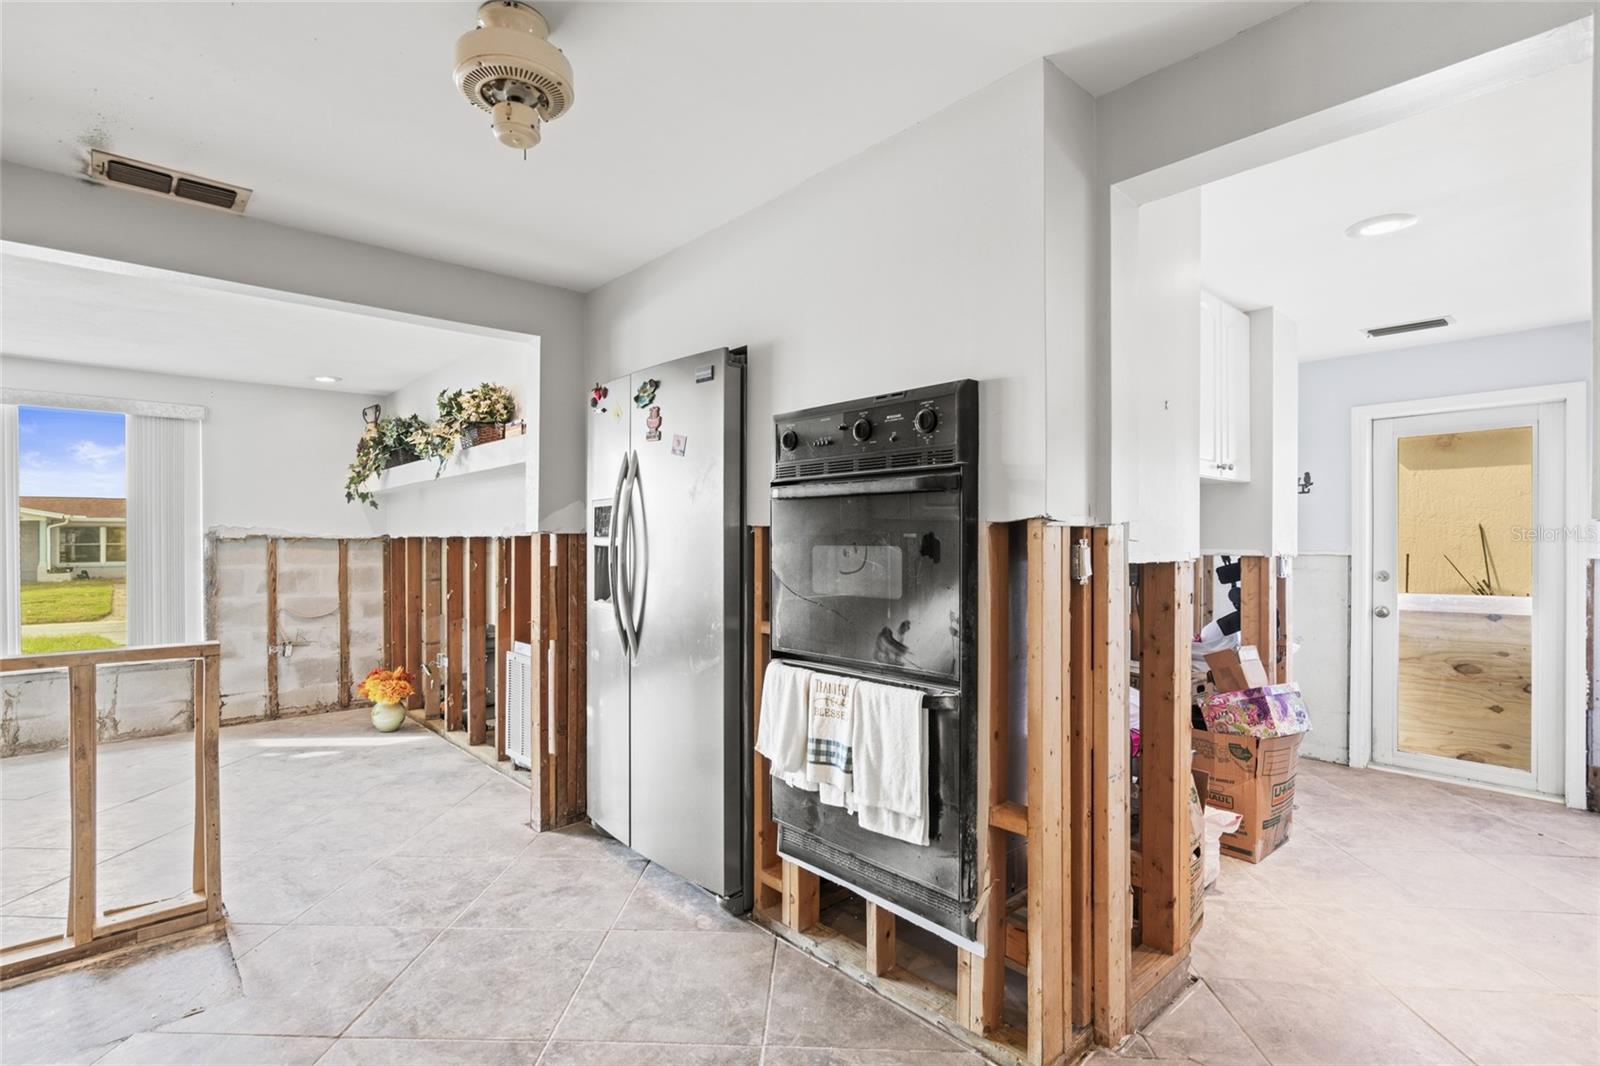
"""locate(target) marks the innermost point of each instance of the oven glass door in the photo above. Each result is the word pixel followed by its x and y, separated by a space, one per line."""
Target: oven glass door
pixel 869 572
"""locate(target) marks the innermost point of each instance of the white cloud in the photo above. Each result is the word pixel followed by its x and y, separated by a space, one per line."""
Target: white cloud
pixel 96 455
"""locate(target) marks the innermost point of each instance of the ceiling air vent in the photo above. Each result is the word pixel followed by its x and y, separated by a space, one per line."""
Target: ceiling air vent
pixel 1410 327
pixel 164 181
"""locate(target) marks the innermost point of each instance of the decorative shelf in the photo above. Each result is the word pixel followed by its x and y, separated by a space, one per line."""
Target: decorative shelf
pixel 496 455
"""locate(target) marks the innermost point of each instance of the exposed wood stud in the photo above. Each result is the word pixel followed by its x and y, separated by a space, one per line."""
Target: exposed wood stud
pixel 1285 598
pixel 389 606
pixel 82 739
pixel 455 595
pixel 546 628
pixel 502 640
pixel 413 647
pixel 210 729
pixel 272 627
pixel 1047 792
pixel 345 682
pixel 1112 920
pixel 1258 610
pixel 560 711
pixel 1166 628
pixel 542 785
pixel 577 634
pixel 802 899
pixel 980 981
pixel 1081 712
pixel 765 851
pixel 477 640
pixel 197 706
pixel 432 623
pixel 881 941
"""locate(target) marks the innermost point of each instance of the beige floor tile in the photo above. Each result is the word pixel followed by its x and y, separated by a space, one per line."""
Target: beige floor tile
pixel 406 891
pixel 1419 947
pixel 816 1006
pixel 1319 1025
pixel 380 1051
pixel 24 871
pixel 1564 948
pixel 310 980
pixel 819 1056
pixel 577 1053
pixel 466 833
pixel 1246 941
pixel 663 900
pixel 1453 880
pixel 1307 876
pixel 553 894
pixel 261 888
pixel 508 985
pixel 1574 880
pixel 242 936
pixel 675 987
pixel 1515 1029
pixel 214 1049
pixel 1198 1029
pixel 578 842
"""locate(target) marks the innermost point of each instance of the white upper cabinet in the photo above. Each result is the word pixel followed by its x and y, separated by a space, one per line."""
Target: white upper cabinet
pixel 1224 391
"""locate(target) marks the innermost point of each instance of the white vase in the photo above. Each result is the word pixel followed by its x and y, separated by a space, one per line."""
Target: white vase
pixel 386 717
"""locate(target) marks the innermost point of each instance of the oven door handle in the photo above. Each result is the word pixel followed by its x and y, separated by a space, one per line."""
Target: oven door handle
pixel 878 486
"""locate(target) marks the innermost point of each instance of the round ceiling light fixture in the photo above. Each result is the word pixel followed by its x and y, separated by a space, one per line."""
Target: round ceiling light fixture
pixel 1382 225
pixel 509 68
pixel 327 379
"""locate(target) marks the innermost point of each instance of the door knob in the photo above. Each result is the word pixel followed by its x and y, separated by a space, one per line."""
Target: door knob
pixel 1381 612
pixel 1381 575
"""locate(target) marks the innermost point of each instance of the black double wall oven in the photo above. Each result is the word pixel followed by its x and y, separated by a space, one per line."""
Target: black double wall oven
pixel 874 565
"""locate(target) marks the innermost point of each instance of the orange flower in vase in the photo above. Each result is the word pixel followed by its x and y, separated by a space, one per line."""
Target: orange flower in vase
pixel 388 690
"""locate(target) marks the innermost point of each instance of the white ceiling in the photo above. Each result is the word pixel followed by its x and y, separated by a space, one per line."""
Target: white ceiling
pixel 1501 184
pixel 343 119
pixel 64 309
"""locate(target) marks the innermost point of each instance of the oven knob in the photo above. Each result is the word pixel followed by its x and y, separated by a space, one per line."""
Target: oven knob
pixel 862 430
pixel 790 440
pixel 926 420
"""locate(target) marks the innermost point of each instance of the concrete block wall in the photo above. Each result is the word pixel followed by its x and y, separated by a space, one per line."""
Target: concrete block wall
pixel 151 699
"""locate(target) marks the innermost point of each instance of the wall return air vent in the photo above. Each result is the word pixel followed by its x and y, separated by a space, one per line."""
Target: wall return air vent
pixel 1410 327
pixel 172 184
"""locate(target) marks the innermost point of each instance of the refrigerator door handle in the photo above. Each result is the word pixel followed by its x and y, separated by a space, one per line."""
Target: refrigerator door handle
pixel 619 516
pixel 637 592
pixel 627 553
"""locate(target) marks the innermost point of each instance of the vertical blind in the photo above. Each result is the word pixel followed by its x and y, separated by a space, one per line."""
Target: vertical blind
pixel 165 531
pixel 10 543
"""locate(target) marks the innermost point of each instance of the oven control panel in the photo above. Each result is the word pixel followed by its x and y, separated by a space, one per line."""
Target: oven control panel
pixel 932 426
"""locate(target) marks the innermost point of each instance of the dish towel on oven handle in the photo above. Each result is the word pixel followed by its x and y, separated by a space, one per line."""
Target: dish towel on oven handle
pixel 890 747
pixel 785 709
pixel 830 762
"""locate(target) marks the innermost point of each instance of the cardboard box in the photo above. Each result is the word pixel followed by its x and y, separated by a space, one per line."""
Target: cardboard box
pixel 1239 668
pixel 1255 777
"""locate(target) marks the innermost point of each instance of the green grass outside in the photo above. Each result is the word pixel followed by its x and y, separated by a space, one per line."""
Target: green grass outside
pixel 66 601
pixel 67 642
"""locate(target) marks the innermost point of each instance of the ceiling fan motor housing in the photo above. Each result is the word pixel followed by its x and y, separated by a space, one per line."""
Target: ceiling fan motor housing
pixel 509 68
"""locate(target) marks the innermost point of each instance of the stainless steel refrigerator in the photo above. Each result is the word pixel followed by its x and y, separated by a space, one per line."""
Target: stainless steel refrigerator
pixel 668 581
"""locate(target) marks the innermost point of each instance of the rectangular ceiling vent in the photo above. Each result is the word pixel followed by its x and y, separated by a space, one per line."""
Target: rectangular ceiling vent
pixel 111 169
pixel 1410 327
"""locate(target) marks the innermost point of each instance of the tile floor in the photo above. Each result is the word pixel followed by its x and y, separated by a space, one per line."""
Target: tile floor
pixel 1407 921
pixel 388 904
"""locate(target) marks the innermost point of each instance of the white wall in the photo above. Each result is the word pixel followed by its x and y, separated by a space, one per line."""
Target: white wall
pixel 489 503
pixel 925 259
pixel 273 459
pixel 1314 74
pixel 1320 612
pixel 1329 388
pixel 57 211
pixel 1258 517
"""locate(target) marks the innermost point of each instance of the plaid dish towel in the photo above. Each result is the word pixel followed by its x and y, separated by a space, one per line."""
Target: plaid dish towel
pixel 830 762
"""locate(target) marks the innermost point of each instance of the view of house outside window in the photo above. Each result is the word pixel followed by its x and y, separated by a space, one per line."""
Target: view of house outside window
pixel 74 529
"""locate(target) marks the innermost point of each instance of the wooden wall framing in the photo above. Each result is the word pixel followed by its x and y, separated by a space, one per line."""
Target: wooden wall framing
pixel 440 600
pixel 88 930
pixel 1073 933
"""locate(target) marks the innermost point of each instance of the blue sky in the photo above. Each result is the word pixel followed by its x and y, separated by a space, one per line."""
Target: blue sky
pixel 72 453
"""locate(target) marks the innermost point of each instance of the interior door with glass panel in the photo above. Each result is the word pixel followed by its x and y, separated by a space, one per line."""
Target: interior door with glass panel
pixel 1467 596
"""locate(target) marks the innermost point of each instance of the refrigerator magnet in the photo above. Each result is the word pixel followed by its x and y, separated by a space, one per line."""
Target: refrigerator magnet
pixel 680 444
pixel 647 393
pixel 652 424
pixel 597 396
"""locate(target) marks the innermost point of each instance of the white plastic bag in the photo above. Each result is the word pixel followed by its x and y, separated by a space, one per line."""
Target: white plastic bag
pixel 1218 823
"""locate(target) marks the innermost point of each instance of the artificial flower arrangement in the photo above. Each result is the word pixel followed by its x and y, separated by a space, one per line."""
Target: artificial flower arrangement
pixel 387 686
pixel 471 416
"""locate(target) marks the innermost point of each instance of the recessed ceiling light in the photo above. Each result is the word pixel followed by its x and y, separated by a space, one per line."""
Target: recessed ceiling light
pixel 326 379
pixel 1380 225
